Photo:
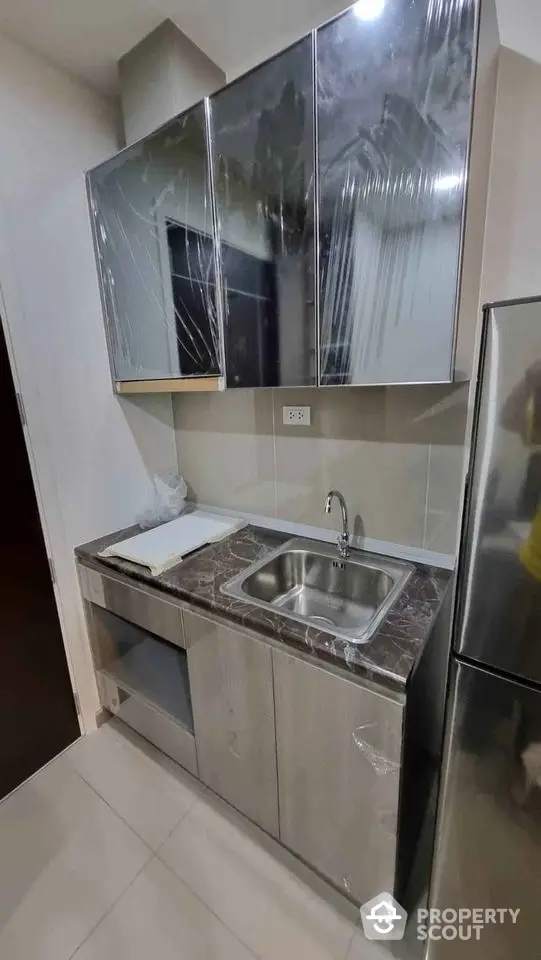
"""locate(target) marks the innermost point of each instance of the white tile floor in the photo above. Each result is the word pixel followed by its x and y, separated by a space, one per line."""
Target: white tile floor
pixel 115 853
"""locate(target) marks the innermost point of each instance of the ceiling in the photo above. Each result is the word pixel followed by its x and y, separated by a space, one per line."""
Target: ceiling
pixel 520 26
pixel 87 38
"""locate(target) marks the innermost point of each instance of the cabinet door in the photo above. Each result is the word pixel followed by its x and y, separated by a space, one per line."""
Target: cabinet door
pixel 262 135
pixel 394 93
pixel 339 749
pixel 233 709
pixel 154 238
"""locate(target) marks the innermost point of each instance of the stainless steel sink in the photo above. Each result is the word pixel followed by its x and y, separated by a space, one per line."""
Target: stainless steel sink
pixel 309 582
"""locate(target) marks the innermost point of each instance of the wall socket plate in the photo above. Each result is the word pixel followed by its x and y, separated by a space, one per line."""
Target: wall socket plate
pixel 296 416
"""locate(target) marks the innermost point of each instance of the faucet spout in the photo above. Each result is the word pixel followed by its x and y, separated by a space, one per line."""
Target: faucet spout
pixel 343 539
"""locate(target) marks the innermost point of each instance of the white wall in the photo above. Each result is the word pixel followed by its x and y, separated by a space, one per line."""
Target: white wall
pixel 91 451
pixel 162 76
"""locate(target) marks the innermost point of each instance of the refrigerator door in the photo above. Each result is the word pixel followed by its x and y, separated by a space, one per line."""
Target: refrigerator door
pixel 488 840
pixel 499 599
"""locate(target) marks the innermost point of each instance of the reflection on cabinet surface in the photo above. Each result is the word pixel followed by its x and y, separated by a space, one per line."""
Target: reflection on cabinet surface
pixel 233 706
pixel 394 105
pixel 153 228
pixel 342 164
pixel 262 133
pixel 339 753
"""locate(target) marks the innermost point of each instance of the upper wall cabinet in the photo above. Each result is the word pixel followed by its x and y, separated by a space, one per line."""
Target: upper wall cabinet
pixel 263 146
pixel 308 223
pixel 394 105
pixel 153 228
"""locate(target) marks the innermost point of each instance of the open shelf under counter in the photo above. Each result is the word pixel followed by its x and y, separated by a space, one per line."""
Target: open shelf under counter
pixel 144 665
pixel 160 680
pixel 150 722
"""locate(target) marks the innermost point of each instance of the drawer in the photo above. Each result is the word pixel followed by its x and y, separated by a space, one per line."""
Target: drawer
pixel 151 613
pixel 159 729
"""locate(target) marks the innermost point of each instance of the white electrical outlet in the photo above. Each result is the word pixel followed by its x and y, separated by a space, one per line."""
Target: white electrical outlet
pixel 296 416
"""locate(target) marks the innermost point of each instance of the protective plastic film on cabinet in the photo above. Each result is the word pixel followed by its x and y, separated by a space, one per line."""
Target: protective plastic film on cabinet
pixel 339 769
pixel 394 98
pixel 263 145
pixel 153 227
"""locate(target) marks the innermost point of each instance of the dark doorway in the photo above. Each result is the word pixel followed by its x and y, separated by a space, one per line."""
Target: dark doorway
pixel 37 711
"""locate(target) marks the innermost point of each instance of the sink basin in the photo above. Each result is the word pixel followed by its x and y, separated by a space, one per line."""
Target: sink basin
pixel 309 582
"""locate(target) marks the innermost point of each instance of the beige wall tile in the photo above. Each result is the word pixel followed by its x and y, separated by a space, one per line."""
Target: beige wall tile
pixel 426 414
pixel 445 477
pixel 384 485
pixel 347 413
pixel 347 447
pixel 225 448
pixel 371 443
pixel 437 417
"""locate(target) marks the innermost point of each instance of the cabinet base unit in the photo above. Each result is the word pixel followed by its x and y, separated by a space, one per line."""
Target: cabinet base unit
pixel 142 677
pixel 339 761
pixel 312 755
pixel 233 700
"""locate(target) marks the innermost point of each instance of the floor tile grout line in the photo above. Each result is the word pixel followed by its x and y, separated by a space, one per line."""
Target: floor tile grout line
pixel 113 904
pixel 155 854
pixel 183 817
pixel 112 809
pixel 124 821
pixel 184 883
pixel 348 948
pixel 290 872
pixel 129 825
pixel 257 956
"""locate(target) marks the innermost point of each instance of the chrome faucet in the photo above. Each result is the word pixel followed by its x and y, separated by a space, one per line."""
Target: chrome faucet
pixel 343 539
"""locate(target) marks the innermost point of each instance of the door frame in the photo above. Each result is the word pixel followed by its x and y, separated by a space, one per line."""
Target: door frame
pixel 45 493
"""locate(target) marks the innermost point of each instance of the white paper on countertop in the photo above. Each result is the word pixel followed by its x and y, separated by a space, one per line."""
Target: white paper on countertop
pixel 163 547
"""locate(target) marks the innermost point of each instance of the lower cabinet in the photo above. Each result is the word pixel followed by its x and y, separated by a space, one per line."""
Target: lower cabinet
pixel 311 756
pixel 233 711
pixel 339 754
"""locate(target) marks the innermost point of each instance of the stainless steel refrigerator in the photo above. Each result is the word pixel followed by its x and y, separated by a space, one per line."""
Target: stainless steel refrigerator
pixel 488 837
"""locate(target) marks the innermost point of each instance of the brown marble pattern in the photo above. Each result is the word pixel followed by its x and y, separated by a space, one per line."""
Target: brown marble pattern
pixel 387 659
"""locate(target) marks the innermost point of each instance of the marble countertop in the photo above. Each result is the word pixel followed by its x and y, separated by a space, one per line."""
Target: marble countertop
pixel 387 659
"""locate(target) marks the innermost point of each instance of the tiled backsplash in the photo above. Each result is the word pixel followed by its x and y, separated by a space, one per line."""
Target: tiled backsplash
pixel 395 453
